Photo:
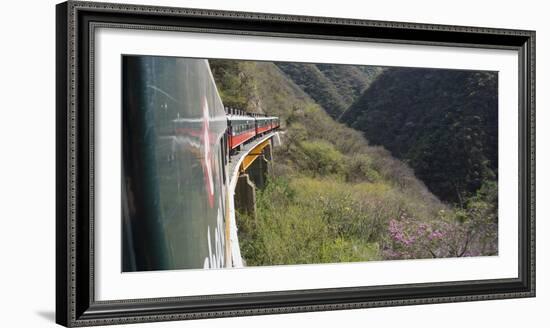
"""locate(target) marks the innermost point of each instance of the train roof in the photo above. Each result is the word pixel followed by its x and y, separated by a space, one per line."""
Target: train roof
pixel 235 112
pixel 239 117
pixel 249 117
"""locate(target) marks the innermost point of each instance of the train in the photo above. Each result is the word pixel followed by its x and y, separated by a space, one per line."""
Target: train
pixel 243 127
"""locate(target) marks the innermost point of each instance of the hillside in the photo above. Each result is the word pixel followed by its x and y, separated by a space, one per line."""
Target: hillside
pixel 333 87
pixel 443 123
pixel 331 196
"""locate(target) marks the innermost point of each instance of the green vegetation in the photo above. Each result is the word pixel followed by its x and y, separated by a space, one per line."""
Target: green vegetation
pixel 299 221
pixel 235 88
pixel 332 197
pixel 443 123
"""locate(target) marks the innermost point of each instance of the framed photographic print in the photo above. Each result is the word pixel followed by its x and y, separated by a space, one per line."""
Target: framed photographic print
pixel 214 163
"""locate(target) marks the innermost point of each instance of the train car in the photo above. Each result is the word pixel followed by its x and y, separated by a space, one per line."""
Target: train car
pixel 274 122
pixel 263 124
pixel 173 172
pixel 240 129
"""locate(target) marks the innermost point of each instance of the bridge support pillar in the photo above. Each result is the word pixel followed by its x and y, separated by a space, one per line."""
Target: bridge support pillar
pixel 245 196
pixel 258 172
pixel 268 153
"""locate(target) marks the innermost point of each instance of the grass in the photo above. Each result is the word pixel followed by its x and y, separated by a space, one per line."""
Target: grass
pixel 295 224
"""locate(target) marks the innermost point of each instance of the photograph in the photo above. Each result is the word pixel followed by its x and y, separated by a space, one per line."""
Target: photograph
pixel 242 161
pixel 230 163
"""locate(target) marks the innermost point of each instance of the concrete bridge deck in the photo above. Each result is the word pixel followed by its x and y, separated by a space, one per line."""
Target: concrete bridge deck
pixel 233 167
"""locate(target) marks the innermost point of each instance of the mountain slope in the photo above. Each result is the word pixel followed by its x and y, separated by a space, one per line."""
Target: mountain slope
pixel 442 122
pixel 334 87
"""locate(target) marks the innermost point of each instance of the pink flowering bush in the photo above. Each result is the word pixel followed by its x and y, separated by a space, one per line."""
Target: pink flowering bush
pixel 410 239
pixel 471 231
pixel 445 237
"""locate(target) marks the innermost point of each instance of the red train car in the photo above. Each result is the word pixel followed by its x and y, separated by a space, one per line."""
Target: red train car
pixel 243 127
pixel 263 124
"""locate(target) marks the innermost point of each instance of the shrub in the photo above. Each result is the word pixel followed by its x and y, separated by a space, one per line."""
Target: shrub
pixel 321 158
pixel 360 168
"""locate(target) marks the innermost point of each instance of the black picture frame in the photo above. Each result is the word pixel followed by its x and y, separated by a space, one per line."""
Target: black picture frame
pixel 75 302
